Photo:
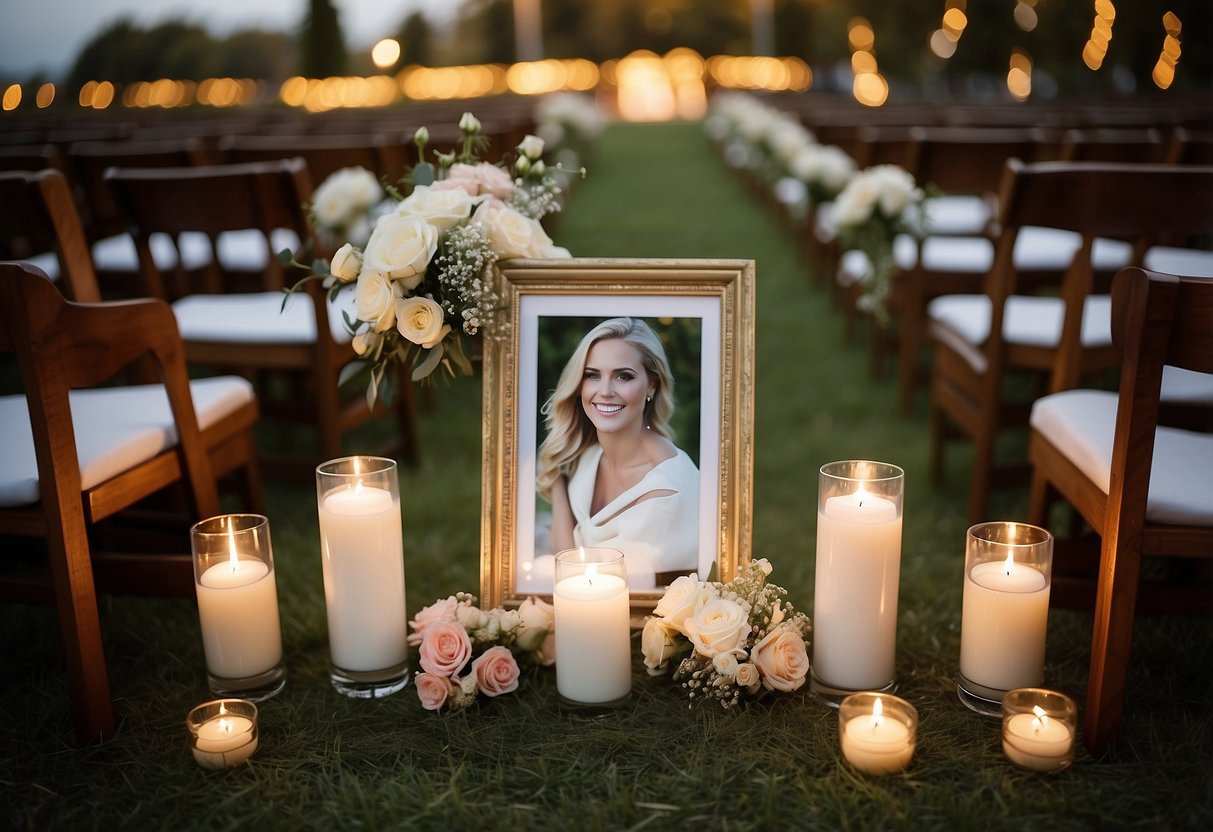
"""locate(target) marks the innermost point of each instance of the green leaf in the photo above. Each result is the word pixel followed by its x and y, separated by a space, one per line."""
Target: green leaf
pixel 350 370
pixel 433 356
pixel 423 174
pixel 285 257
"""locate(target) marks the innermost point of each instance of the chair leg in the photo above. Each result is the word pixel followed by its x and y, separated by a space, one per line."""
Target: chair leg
pixel 406 417
pixel 981 478
pixel 328 413
pixel 909 345
pixel 1040 495
pixel 1111 641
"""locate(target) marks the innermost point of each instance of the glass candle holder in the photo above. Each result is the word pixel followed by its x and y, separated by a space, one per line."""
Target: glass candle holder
pixel 859 518
pixel 362 552
pixel 1038 729
pixel 1005 612
pixel 877 731
pixel 223 733
pixel 593 629
pixel 238 605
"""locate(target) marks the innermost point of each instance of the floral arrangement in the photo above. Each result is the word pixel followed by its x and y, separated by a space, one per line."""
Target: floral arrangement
pixel 824 169
pixel 877 205
pixel 425 276
pixel 346 204
pixel 732 641
pixel 467 651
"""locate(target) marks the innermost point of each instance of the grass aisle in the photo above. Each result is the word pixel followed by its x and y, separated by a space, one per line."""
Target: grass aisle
pixel 327 762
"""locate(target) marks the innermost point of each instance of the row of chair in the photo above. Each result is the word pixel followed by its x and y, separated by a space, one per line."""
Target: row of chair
pixel 1013 279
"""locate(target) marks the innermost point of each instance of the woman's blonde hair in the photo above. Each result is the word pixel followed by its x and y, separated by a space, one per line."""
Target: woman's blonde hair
pixel 569 430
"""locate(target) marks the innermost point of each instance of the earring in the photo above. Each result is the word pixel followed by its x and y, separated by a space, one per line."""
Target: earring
pixel 648 398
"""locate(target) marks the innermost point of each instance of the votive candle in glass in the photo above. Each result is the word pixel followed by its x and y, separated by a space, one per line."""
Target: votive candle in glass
pixel 593 626
pixel 223 733
pixel 1005 612
pixel 238 605
pixel 877 731
pixel 1038 729
pixel 859 518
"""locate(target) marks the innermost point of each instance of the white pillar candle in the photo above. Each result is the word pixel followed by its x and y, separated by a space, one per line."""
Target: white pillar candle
pixel 1004 616
pixel 593 638
pixel 238 611
pixel 362 550
pixel 876 742
pixel 855 597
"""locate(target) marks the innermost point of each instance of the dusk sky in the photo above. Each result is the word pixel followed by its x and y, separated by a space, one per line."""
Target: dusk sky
pixel 47 34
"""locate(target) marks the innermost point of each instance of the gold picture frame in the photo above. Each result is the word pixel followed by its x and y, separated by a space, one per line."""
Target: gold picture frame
pixel 714 298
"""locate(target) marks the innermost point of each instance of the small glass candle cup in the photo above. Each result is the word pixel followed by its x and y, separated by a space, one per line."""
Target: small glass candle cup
pixel 593 627
pixel 223 732
pixel 858 573
pixel 877 732
pixel 362 552
pixel 1038 729
pixel 1005 612
pixel 238 605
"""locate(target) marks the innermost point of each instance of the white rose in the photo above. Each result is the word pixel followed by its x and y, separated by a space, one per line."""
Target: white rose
pixel 375 299
pixel 443 209
pixel 725 664
pixel 346 263
pixel 331 207
pixel 509 621
pixel 531 147
pixel 470 617
pixel 401 247
pixel 658 643
pixel 720 626
pixel 512 234
pixel 421 321
pixel 537 619
pixel 854 205
pixel 683 598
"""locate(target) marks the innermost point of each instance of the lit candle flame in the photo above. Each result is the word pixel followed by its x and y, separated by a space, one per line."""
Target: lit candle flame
pixel 357 478
pixel 1041 722
pixel 877 710
pixel 225 726
pixel 1008 565
pixel 591 572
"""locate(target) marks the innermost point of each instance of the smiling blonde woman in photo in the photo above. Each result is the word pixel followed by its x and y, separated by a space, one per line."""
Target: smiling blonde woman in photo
pixel 609 466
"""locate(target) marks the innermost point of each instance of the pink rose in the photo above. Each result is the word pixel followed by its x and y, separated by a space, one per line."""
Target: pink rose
pixel 445 648
pixel 496 671
pixel 443 610
pixel 433 691
pixel 781 659
pixel 477 179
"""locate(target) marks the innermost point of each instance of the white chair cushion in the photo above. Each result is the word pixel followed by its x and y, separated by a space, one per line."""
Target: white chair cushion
pixel 238 250
pixel 258 317
pixel 1190 262
pixel 1082 424
pixel 1180 386
pixel 116 429
pixel 1028 320
pixel 48 261
pixel 957 214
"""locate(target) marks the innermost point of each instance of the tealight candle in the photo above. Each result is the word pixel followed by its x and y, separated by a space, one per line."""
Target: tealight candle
pixel 857 576
pixel 223 732
pixel 593 629
pixel 877 731
pixel 1038 728
pixel 1005 611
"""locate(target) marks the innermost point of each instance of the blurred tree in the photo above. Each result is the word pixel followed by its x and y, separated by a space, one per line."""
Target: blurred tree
pixel 255 53
pixel 415 41
pixel 322 49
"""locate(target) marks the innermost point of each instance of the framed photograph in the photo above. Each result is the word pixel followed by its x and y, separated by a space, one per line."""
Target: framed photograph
pixel 618 412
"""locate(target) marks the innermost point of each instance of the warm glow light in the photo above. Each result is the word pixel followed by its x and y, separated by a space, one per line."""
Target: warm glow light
pixel 1019 83
pixel 1163 75
pixel 862 62
pixel 1105 9
pixel 1164 70
pixel 1025 17
pixel 45 96
pixel 1171 22
pixel 645 92
pixel 942 44
pixel 871 89
pixel 12 97
pixel 955 20
pixel 385 53
pixel 860 34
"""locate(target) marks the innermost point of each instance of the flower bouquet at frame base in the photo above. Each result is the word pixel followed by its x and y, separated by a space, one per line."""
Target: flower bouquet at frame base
pixel 728 642
pixel 426 276
pixel 878 204
pixel 467 651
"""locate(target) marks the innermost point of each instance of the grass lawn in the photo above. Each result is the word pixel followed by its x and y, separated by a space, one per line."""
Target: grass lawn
pixel 521 762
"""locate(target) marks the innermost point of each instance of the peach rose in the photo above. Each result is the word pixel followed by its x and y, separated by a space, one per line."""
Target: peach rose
pixel 433 691
pixel 480 178
pixel 496 671
pixel 719 626
pixel 441 610
pixel 782 659
pixel 445 648
pixel 659 641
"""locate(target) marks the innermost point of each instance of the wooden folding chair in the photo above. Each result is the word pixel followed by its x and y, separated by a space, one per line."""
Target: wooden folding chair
pixel 252 332
pixel 39 224
pixel 73 457
pixel 379 153
pixel 1092 209
pixel 1147 489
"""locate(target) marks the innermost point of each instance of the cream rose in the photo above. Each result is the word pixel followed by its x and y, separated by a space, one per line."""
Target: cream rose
pixel 747 676
pixel 496 671
pixel 420 320
pixel 782 659
pixel 375 299
pixel 441 610
pixel 658 644
pixel 445 648
pixel 719 626
pixel 346 263
pixel 536 619
pixel 443 209
pixel 433 691
pixel 682 599
pixel 510 233
pixel 725 664
pixel 401 247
